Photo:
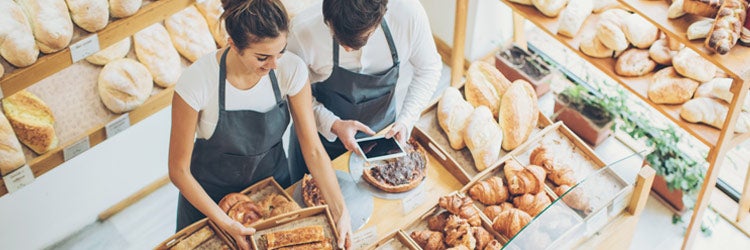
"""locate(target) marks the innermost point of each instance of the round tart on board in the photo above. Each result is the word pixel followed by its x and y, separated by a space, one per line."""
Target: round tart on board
pixel 399 174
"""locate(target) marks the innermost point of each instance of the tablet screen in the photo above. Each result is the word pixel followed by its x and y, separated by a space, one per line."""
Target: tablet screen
pixel 380 147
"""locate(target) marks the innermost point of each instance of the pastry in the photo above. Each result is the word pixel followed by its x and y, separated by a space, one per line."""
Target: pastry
pixel 399 174
pixel 18 46
pixel 575 199
pixel 493 245
pixel 124 8
pixel 675 9
pixel 494 210
pixel 124 84
pixel 294 237
pixel 532 204
pixel 154 49
pixel 712 112
pixel 194 240
pixel 700 29
pixel 90 15
pixel 485 85
pixel 634 62
pixel 482 237
pixel 462 207
pixel 572 17
pixel 428 240
pixel 510 222
pixel 231 199
pixel 459 232
pixel 727 28
pixel 437 222
pixel 519 114
pixel 113 52
pixel 320 245
pixel 276 204
pixel 50 23
pixel 550 8
pixel 522 180
pixel 689 64
pixel 667 87
pixel 245 212
pixel 32 121
pixel 190 34
pixel 706 8
pixel 483 137
pixel 453 112
pixel 490 191
pixel 639 31
pixel 310 192
pixel 212 11
pixel 661 53
pixel 10 149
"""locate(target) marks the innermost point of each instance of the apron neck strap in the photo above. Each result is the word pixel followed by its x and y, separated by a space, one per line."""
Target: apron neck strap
pixel 275 84
pixel 223 81
pixel 388 38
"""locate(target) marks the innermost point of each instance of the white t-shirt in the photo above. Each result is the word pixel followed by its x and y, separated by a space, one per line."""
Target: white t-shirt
pixel 198 86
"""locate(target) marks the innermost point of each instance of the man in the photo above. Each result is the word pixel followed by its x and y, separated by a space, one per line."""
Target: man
pixel 372 64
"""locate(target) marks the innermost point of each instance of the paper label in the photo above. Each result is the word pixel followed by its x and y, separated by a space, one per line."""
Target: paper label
pixel 76 149
pixel 365 238
pixel 18 178
pixel 118 125
pixel 84 48
pixel 596 221
pixel 413 201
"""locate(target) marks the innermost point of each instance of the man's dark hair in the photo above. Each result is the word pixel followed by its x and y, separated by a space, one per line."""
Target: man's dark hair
pixel 352 19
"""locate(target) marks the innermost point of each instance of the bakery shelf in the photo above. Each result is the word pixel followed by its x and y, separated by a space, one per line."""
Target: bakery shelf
pixel 734 63
pixel 115 31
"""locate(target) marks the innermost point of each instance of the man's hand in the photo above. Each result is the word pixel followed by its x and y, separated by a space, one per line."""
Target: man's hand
pixel 400 131
pixel 345 230
pixel 239 232
pixel 346 129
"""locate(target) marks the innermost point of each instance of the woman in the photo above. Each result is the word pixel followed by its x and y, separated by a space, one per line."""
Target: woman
pixel 236 101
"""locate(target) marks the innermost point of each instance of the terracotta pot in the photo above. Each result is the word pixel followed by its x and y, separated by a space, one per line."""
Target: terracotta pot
pixel 673 197
pixel 514 72
pixel 588 130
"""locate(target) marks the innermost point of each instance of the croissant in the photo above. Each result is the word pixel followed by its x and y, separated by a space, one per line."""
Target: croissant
pixel 540 157
pixel 482 236
pixel 461 207
pixel 522 180
pixel 459 232
pixel 437 222
pixel 510 222
pixel 493 245
pixel 428 240
pixel 558 173
pixel 532 204
pixel 459 247
pixel 562 176
pixel 576 199
pixel 493 211
pixel 490 191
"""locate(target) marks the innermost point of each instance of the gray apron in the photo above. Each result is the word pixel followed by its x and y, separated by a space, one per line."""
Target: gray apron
pixel 367 98
pixel 244 149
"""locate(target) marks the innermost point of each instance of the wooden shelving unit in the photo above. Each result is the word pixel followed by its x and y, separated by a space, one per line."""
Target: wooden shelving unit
pixel 734 64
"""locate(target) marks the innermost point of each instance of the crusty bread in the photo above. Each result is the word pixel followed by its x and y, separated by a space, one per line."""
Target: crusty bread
pixel 611 35
pixel 661 53
pixel 32 120
pixel 90 15
pixel 154 49
pixel 124 8
pixel 519 114
pixel 485 85
pixel 211 11
pixel 483 137
pixel 712 112
pixel 634 62
pixel 675 9
pixel 10 150
pixel 294 236
pixel 190 34
pixel 720 88
pixel 573 17
pixel 706 8
pixel 17 43
pixel 124 84
pixel 667 87
pixel 593 47
pixel 50 22
pixel 194 240
pixel 113 52
pixel 690 64
pixel 699 29
pixel 639 31
pixel 727 28
pixel 550 8
pixel 453 112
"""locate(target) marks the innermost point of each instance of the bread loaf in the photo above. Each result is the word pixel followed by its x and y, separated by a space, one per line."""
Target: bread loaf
pixel 661 53
pixel 616 16
pixel 591 46
pixel 573 17
pixel 50 23
pixel 485 85
pixel 519 114
pixel 611 35
pixel 699 29
pixel 113 52
pixel 10 150
pixel 32 120
pixel 453 112
pixel 190 34
pixel 483 137
pixel 211 11
pixel 720 88
pixel 639 31
pixel 90 15
pixel 706 8
pixel 603 5
pixel 667 87
pixel 689 64
pixel 124 8
pixel 712 112
pixel 550 8
pixel 524 2
pixel 154 49
pixel 124 84
pixel 675 9
pixel 634 62
pixel 17 43
pixel 727 28
pixel 510 222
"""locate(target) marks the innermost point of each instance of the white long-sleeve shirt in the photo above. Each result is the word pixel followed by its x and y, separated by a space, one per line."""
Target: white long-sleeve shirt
pixel 310 38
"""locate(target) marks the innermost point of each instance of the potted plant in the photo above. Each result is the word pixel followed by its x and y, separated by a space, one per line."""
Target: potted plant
pixel 516 63
pixel 584 114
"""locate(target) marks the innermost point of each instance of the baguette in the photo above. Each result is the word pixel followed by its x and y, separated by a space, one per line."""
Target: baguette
pixel 294 237
pixel 485 85
pixel 17 43
pixel 519 114
pixel 727 28
pixel 154 49
pixel 50 22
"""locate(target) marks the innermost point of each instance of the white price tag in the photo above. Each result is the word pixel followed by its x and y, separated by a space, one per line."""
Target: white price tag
pixel 84 48
pixel 18 178
pixel 413 201
pixel 118 125
pixel 596 221
pixel 365 238
pixel 76 149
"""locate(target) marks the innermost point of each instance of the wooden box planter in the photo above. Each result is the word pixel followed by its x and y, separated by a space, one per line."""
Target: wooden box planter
pixel 592 131
pixel 671 197
pixel 515 63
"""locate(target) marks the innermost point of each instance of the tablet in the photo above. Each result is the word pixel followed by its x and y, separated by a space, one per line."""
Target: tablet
pixel 378 148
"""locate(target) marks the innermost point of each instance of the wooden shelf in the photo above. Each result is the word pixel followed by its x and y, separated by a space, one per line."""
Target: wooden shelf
pixel 734 63
pixel 637 85
pixel 115 31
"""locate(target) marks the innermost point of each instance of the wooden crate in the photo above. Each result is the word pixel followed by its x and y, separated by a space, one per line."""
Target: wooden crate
pixel 184 235
pixel 397 240
pixel 305 217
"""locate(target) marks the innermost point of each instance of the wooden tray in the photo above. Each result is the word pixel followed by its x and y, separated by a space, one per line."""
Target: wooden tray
pixel 213 242
pixel 301 218
pixel 397 240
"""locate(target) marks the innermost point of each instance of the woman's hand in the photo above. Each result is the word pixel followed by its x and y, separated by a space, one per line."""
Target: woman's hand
pixel 344 224
pixel 239 232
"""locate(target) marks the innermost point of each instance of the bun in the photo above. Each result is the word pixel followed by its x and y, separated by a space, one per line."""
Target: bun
pixel 124 84
pixel 661 53
pixel 573 16
pixel 689 64
pixel 32 121
pixel 124 8
pixel 10 149
pixel 634 62
pixel 639 31
pixel 611 35
pixel 719 88
pixel 111 53
pixel 90 15
pixel 18 46
pixel 50 22
pixel 519 114
pixel 712 112
pixel 669 88
pixel 485 85
pixel 593 47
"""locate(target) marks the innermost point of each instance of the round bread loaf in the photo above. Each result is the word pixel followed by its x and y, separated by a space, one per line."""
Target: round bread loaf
pixel 689 64
pixel 111 53
pixel 634 62
pixel 90 15
pixel 124 84
pixel 124 8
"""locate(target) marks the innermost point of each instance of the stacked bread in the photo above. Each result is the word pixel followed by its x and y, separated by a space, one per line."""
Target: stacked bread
pixel 455 225
pixel 724 30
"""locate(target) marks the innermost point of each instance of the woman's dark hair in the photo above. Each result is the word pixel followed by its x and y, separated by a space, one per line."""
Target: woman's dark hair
pixel 352 19
pixel 249 21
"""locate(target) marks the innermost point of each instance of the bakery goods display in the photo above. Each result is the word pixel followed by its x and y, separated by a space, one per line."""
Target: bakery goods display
pixel 153 47
pixel 32 120
pixel 667 87
pixel 634 62
pixel 211 11
pixel 18 46
pixel 190 34
pixel 572 17
pixel 485 85
pixel 399 174
pixel 10 148
pixel 124 84
pixel 689 64
pixel 50 23
pixel 113 52
pixel 124 8
pixel 706 8
pixel 260 201
pixel 727 28
pixel 453 113
pixel 483 137
pixel 310 192
pixel 461 206
pixel 454 224
pixel 712 112
pixel 90 15
pixel 293 237
pixel 519 114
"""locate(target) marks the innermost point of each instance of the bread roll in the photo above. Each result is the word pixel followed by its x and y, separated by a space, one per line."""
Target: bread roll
pixel 113 52
pixel 124 84
pixel 727 28
pixel 211 11
pixel 712 112
pixel 634 62
pixel 689 64
pixel 32 120
pixel 660 52
pixel 10 150
pixel 591 46
pixel 611 35
pixel 616 16
pixel 720 88
pixel 675 9
pixel 124 8
pixel 639 31
pixel 190 34
pixel 519 114
pixel 706 8
pixel 550 8
pixel 483 137
pixel 603 5
pixel 50 23
pixel 485 85
pixel 699 29
pixel 573 17
pixel 17 44
pixel 154 49
pixel 667 87
pixel 453 113
pixel 524 2
pixel 90 15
